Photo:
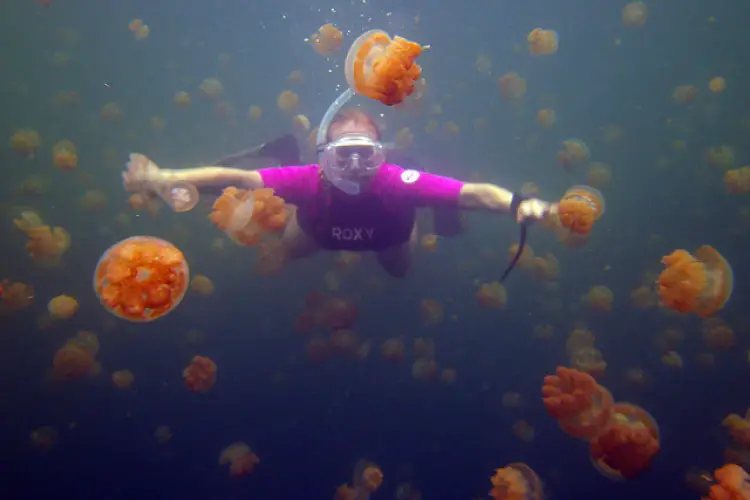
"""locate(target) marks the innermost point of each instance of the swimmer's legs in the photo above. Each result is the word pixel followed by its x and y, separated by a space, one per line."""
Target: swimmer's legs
pixel 397 260
pixel 296 244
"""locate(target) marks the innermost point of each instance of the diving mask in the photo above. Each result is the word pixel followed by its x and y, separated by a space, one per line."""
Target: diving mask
pixel 352 154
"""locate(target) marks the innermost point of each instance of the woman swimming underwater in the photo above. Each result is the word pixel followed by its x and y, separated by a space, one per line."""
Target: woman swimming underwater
pixel 352 199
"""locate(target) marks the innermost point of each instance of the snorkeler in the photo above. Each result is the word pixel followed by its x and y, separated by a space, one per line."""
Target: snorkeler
pixel 352 199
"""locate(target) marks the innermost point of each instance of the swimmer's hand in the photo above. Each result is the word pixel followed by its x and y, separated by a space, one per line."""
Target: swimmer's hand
pixel 533 210
pixel 142 174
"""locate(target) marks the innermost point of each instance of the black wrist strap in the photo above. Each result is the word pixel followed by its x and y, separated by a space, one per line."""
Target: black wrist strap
pixel 515 203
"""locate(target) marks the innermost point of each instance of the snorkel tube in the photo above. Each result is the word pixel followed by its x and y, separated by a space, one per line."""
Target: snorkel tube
pixel 514 205
pixel 347 186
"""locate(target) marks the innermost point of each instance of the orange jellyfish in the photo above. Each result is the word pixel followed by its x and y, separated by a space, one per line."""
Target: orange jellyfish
pixel 512 86
pixel 626 447
pixel 542 42
pixel 111 112
pixel 202 285
pixel 46 245
pixel 733 483
pixel 287 101
pixel 247 215
pixel 123 379
pixel 599 298
pixel 546 117
pixel 15 296
pixel 254 112
pixel 382 68
pixel 574 152
pixel 700 283
pixel 717 85
pixel 737 181
pixel 64 156
pixel 581 406
pixel 25 143
pixel 516 481
pixel 200 374
pixel 579 208
pixel 181 99
pixel 241 459
pixel 327 41
pixel 599 175
pixel 432 311
pixel 367 478
pixel 141 278
pixel 62 307
pixel 72 361
pixel 212 88
pixel 634 14
pixel 492 295
pixel 685 94
pixel 44 438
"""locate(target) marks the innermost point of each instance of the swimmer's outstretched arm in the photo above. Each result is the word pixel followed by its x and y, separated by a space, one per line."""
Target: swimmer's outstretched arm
pixel 492 198
pixel 143 174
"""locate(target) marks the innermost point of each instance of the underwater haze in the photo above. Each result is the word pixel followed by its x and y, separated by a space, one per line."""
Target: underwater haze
pixel 276 380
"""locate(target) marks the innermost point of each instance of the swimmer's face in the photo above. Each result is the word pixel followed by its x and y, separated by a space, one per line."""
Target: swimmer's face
pixel 340 129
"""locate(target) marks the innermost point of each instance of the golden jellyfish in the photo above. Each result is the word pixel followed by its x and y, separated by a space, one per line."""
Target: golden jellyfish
pixel 449 376
pixel 672 359
pixel 546 117
pixel 483 65
pixel 301 123
pixel 202 285
pixel 429 242
pixel 65 156
pixel 581 406
pixel 512 87
pixel 246 216
pixel 141 278
pixel 432 311
pixel 546 268
pixel 511 400
pixel 526 260
pixel 327 41
pixel 739 428
pixel 451 129
pixel 628 444
pixel 296 76
pixel 685 94
pixel 34 185
pixel 158 124
pixel 717 85
pixel 25 143
pixel 543 331
pixel 523 431
pixel 142 32
pixel 393 350
pixel 717 334
pixel 367 478
pixel 737 181
pixel 62 307
pixel 111 112
pixel 240 458
pixel 599 175
pixel 579 338
pixel 163 434
pixel 516 481
pixel 72 361
pixel 599 298
pixel 15 296
pixel 44 438
pixel 634 15
pixel 254 112
pixel 287 101
pixel 589 360
pixel 424 369
pixel 135 24
pixel 542 42
pixel 575 152
pixel 344 342
pixel 721 157
pixel 93 200
pixel 181 99
pixel 404 138
pixel 200 374
pixel 732 483
pixel 123 379
pixel 382 68
pixel 579 208
pixel 211 88
pixel 424 348
pixel 669 340
pixel 699 283
pixel 492 295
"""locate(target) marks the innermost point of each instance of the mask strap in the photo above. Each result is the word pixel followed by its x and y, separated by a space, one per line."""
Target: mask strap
pixel 515 203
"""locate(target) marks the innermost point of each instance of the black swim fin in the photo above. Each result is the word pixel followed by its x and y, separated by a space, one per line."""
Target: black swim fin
pixel 280 152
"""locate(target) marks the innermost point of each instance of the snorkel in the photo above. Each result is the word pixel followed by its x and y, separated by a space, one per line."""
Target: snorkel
pixel 345 185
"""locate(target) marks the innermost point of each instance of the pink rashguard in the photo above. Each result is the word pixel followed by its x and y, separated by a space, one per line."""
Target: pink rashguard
pixel 380 217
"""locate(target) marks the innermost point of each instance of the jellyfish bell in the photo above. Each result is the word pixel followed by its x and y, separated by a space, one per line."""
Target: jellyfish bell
pixel 242 215
pixel 180 196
